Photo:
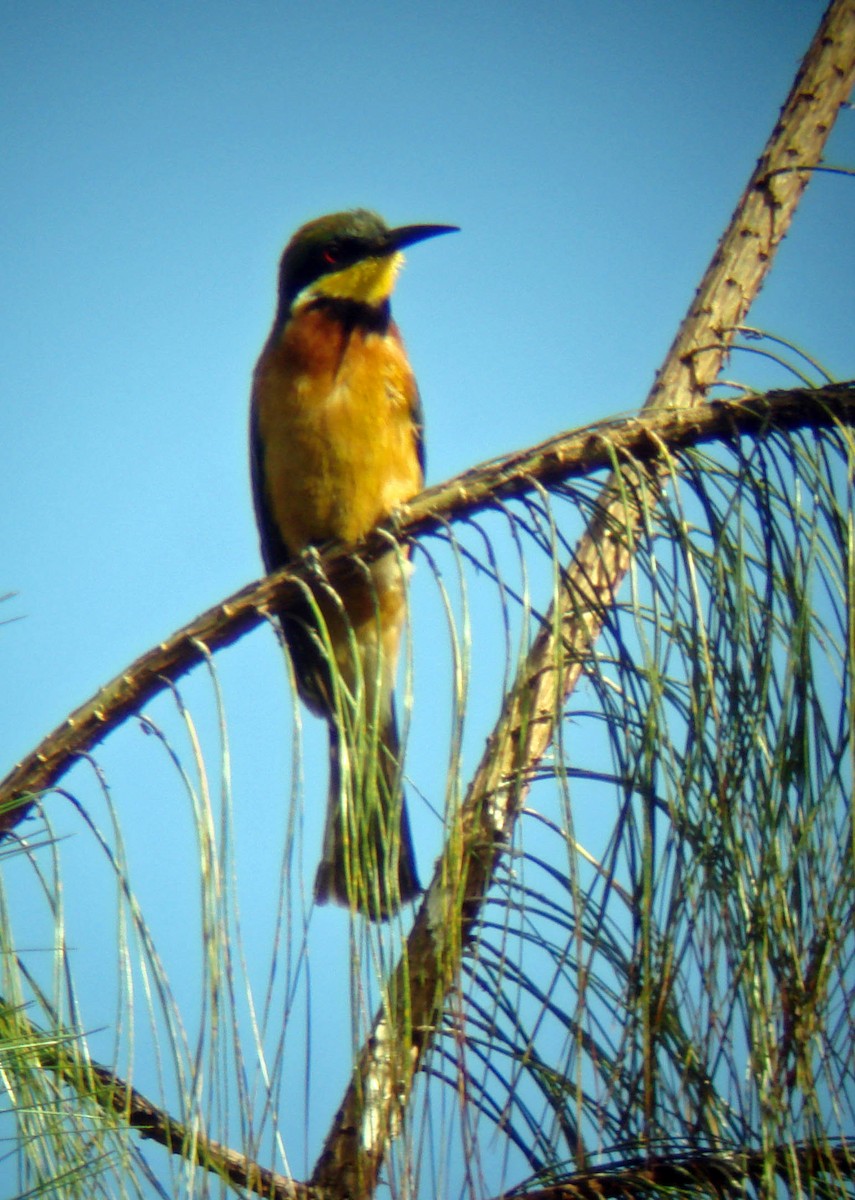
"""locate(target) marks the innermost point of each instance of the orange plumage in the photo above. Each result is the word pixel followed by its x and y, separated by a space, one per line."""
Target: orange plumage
pixel 336 446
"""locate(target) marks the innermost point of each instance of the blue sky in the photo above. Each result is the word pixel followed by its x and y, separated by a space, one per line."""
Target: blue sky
pixel 158 161
pixel 158 157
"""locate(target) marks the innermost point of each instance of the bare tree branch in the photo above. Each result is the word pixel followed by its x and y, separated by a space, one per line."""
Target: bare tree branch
pixel 103 1087
pixel 647 438
pixel 641 438
pixel 705 1172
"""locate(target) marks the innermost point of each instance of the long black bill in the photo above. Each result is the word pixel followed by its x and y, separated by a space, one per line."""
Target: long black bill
pixel 406 235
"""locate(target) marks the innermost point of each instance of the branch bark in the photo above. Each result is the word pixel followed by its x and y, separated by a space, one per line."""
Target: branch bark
pixel 640 439
pixel 704 1173
pixel 649 438
pixel 103 1087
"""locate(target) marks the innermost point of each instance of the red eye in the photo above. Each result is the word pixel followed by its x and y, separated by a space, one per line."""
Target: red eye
pixel 331 257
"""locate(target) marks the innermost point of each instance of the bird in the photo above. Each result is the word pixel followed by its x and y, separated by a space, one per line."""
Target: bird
pixel 336 446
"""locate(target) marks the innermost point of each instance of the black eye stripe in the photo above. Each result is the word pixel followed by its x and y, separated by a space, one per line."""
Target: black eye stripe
pixel 304 262
pixel 343 253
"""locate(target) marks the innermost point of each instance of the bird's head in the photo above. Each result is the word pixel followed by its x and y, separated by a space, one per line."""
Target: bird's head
pixel 346 256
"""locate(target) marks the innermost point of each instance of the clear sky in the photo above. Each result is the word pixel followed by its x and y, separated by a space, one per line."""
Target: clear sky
pixel 156 159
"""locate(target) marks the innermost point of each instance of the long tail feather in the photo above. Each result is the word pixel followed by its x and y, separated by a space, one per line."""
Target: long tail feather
pixel 368 862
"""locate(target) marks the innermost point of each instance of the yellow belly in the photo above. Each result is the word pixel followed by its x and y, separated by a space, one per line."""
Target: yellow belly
pixel 335 417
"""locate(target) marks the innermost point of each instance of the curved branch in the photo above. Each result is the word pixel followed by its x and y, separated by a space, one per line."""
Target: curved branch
pixel 642 438
pixel 702 1172
pixel 103 1087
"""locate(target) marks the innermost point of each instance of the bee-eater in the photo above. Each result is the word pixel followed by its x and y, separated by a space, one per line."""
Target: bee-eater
pixel 336 446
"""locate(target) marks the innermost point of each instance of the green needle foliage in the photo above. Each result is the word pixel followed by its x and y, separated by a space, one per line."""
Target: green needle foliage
pixel 689 982
pixel 657 993
pixel 627 742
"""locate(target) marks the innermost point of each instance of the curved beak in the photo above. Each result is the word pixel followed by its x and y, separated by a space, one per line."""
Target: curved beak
pixel 406 235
